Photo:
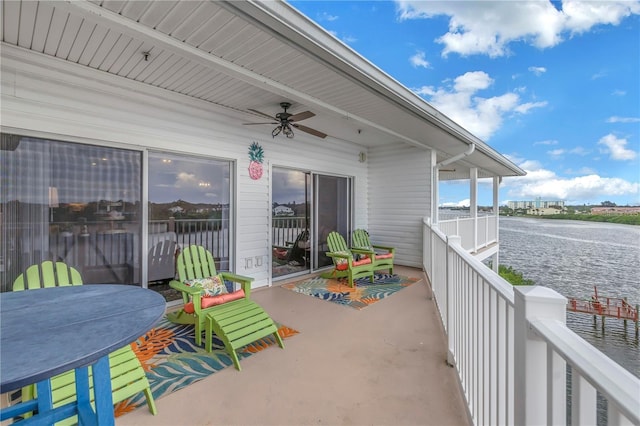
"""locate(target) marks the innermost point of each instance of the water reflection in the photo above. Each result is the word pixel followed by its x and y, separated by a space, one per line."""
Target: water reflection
pixel 573 257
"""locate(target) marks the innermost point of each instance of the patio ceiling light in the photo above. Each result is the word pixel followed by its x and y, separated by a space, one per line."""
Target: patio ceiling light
pixel 285 129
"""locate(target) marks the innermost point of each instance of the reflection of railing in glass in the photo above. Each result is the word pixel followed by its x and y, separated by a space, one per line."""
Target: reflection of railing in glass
pixel 101 257
pixel 286 229
pixel 213 234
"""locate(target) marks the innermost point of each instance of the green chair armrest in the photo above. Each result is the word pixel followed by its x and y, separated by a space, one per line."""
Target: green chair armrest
pixel 186 291
pixel 389 249
pixel 341 255
pixel 244 281
pixel 367 252
pixel 177 285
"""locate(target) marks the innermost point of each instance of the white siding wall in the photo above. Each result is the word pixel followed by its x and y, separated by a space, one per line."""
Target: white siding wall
pixel 45 97
pixel 399 198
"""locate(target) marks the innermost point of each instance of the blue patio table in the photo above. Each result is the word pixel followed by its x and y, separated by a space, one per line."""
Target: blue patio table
pixel 48 331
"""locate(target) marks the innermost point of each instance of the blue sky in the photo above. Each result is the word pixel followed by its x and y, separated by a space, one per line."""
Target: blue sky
pixel 554 86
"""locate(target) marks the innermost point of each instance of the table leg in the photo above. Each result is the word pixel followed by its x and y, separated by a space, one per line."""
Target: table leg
pixel 83 397
pixel 45 400
pixel 102 392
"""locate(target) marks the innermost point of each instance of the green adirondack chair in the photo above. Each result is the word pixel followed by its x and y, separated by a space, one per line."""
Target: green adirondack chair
pixel 127 375
pixel 345 262
pixel 383 255
pixel 233 317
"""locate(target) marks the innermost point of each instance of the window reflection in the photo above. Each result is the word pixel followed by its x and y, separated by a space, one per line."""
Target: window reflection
pixel 74 203
pixel 189 203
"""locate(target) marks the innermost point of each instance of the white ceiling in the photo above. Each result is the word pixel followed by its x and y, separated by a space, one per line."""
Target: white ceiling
pixel 242 56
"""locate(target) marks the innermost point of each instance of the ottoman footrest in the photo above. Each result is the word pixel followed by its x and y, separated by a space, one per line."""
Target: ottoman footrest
pixel 237 324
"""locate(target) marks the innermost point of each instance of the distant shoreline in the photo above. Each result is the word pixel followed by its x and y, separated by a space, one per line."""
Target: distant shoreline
pixel 622 219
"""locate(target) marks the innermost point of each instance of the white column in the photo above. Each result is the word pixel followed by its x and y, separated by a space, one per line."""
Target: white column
pixel 473 208
pixel 496 211
pixel 531 363
pixel 435 193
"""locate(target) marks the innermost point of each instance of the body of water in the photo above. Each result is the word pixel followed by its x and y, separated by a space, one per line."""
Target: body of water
pixel 573 257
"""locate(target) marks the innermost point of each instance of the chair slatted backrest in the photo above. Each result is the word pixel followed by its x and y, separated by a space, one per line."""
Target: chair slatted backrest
pixel 360 239
pixel 336 242
pixel 47 274
pixel 195 262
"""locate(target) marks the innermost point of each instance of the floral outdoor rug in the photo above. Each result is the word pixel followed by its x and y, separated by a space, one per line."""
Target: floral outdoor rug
pixel 363 294
pixel 172 360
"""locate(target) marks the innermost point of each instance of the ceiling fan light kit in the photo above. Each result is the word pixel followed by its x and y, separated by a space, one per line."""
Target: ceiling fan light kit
pixel 286 121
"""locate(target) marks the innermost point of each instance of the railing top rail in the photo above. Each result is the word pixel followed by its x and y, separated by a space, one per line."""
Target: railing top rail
pixel 435 230
pixel 466 218
pixel 504 289
pixel 613 381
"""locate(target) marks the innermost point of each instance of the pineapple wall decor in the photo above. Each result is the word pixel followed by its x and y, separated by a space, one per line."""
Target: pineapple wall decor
pixel 256 155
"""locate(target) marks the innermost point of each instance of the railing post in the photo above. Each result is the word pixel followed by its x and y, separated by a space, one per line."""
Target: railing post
pixel 532 369
pixel 429 236
pixel 450 280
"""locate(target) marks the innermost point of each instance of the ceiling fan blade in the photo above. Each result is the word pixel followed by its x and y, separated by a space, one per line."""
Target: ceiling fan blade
pixel 261 113
pixel 301 116
pixel 251 124
pixel 309 130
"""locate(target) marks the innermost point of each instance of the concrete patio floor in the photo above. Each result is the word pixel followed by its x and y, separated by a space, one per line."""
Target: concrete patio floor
pixel 383 365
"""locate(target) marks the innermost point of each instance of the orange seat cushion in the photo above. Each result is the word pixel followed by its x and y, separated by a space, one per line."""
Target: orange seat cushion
pixel 384 256
pixel 344 266
pixel 209 301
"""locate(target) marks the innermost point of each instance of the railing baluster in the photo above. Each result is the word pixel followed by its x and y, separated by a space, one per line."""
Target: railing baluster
pixel 583 400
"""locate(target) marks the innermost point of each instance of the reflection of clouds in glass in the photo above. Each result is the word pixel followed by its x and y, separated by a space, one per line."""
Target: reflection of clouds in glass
pixel 288 186
pixel 195 180
pixel 185 179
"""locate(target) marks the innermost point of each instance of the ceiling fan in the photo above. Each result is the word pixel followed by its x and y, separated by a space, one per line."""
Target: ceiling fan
pixel 285 121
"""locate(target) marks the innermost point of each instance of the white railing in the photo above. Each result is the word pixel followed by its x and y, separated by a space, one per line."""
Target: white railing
pixel 495 330
pixel 475 233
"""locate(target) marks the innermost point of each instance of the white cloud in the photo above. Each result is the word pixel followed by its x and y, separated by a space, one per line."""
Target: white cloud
pixel 581 171
pixel 578 150
pixel 349 39
pixel 324 16
pixel 616 148
pixel 618 92
pixel 540 182
pixel 547 142
pixel 418 60
pixel 560 152
pixel 488 27
pixel 464 203
pixel 616 119
pixel 481 116
pixel 525 107
pixel 538 70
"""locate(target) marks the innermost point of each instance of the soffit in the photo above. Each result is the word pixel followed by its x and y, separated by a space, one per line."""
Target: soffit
pixel 242 55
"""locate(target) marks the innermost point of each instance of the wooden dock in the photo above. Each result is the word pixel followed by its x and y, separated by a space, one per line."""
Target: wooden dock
pixel 605 307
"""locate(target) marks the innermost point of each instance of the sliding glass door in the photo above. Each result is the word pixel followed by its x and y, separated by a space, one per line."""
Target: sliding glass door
pixel 290 224
pixel 306 207
pixel 332 213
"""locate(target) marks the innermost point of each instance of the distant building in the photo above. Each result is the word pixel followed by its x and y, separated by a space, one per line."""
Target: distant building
pixel 544 211
pixel 615 210
pixel 535 204
pixel 282 211
pixel 176 209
